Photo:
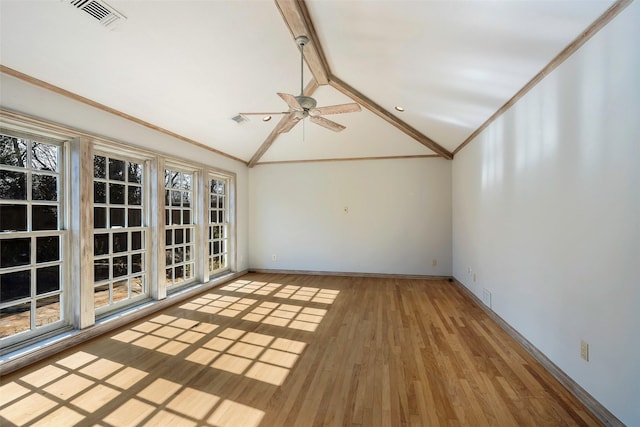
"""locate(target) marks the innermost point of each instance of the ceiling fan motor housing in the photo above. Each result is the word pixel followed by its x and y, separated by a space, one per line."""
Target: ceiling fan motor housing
pixel 306 102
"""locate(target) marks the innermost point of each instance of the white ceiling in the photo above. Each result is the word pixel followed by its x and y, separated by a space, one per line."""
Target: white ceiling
pixel 189 66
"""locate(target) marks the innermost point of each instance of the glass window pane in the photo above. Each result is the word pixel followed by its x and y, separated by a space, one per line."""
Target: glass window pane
pixel 214 201
pixel 179 274
pixel 15 252
pixel 178 254
pixel 100 296
pixel 116 217
pixel 120 266
pixel 136 240
pixel 186 181
pixel 135 217
pixel 221 217
pixel 169 275
pixel 100 270
pixel 186 199
pixel 14 286
pixel 175 198
pixel 45 217
pixel 187 253
pixel 116 169
pixel 187 271
pixel 137 286
pixel 116 194
pixel 136 263
pixel 135 173
pixel 13 151
pixel 13 217
pixel 13 185
pixel 167 198
pixel 47 249
pixel 99 167
pixel 44 157
pixel 100 217
pixel 120 290
pixel 168 256
pixel 47 279
pixel 120 242
pixel 168 237
pixel 175 217
pixel 45 187
pixel 47 310
pixel 167 217
pixel 179 236
pixel 100 244
pixel 187 235
pixel 18 317
pixel 99 192
pixel 216 247
pixel 135 195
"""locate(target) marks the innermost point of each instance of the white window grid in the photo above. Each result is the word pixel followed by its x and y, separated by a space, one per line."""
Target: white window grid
pixel 180 227
pixel 42 308
pixel 218 228
pixel 120 231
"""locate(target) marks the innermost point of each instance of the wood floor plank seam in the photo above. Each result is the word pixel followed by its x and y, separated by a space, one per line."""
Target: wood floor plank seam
pixel 299 350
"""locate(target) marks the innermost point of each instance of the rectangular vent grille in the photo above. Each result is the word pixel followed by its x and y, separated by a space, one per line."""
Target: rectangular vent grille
pixel 240 119
pixel 99 10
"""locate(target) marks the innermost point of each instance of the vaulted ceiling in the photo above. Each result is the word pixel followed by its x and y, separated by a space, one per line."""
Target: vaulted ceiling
pixel 189 67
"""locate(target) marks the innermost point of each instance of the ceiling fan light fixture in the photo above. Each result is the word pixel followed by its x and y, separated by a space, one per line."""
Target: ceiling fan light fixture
pixel 399 108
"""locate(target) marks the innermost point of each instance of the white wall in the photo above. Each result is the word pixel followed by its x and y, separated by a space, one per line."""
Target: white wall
pixel 398 220
pixel 546 212
pixel 28 99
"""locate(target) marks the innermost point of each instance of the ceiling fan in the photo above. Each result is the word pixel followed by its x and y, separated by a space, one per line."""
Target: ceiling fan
pixel 301 106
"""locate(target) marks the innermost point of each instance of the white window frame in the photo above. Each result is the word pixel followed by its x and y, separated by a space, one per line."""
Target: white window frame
pixel 108 152
pixel 213 217
pixel 170 229
pixel 34 331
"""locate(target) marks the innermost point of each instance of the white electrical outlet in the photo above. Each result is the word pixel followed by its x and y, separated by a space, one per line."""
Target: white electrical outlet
pixel 274 257
pixel 584 350
pixel 486 297
pixel 434 262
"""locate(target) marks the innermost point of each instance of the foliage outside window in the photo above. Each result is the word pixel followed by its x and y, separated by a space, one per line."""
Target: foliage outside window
pixel 119 231
pixel 179 228
pixel 32 247
pixel 218 237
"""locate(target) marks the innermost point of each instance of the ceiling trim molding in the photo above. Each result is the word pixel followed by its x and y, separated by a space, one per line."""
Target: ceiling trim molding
pixel 40 83
pixel 352 159
pixel 390 118
pixel 571 48
pixel 277 130
pixel 296 16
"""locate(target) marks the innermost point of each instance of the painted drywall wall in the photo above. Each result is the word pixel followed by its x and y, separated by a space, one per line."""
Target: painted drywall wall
pixel 28 99
pixel 546 214
pixel 373 216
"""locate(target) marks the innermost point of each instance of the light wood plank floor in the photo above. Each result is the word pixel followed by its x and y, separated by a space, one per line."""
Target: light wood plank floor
pixel 289 350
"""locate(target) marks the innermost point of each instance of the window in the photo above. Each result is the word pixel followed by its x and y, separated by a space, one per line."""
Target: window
pixel 180 227
pixel 218 237
pixel 119 232
pixel 32 247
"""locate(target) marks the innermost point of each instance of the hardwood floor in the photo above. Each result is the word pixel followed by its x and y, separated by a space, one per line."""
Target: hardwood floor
pixel 290 350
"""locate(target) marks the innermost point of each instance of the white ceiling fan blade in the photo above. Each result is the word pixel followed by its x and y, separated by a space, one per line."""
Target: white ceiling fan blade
pixel 336 127
pixel 290 100
pixel 289 124
pixel 336 109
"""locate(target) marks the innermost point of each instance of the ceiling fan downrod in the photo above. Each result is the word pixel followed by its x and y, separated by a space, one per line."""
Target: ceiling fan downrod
pixel 306 102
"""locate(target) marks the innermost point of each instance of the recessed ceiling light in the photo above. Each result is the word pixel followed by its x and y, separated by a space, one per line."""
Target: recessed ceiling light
pixel 266 118
pixel 399 108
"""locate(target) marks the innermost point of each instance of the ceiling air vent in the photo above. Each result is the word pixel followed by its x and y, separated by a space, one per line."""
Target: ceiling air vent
pixel 99 10
pixel 239 119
